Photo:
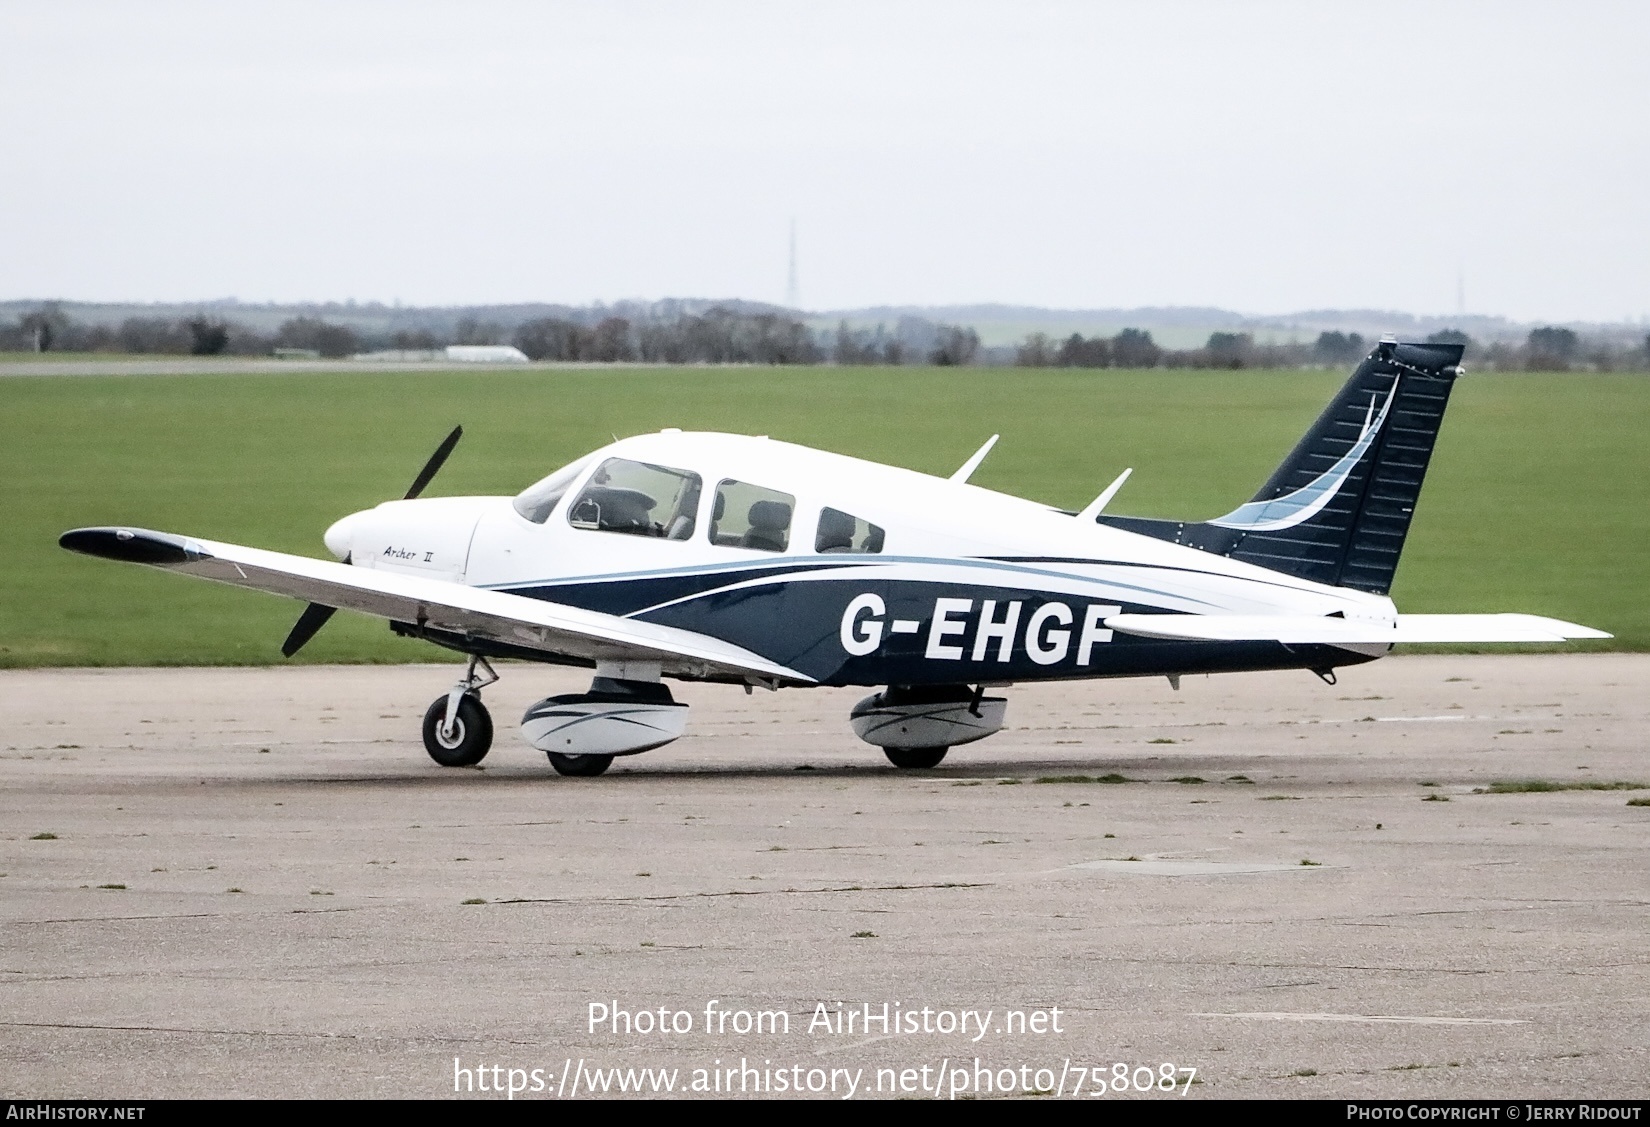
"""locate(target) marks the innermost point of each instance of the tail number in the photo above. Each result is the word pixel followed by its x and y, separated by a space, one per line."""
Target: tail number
pixel 1046 634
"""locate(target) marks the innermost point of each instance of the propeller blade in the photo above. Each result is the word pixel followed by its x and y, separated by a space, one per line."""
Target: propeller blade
pixel 437 460
pixel 314 617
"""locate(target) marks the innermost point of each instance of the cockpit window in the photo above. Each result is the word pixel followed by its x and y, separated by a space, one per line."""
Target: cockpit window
pixel 750 516
pixel 843 532
pixel 639 499
pixel 537 501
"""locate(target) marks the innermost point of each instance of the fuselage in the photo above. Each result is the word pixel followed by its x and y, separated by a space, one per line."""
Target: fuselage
pixel 846 570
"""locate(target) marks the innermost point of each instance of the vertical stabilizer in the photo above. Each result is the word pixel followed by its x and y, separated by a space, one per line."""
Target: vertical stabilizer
pixel 1338 508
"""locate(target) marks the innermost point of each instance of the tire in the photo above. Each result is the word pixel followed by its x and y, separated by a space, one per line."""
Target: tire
pixel 472 732
pixel 915 758
pixel 579 766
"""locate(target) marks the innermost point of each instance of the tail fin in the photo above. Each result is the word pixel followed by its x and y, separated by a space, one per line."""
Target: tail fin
pixel 1338 508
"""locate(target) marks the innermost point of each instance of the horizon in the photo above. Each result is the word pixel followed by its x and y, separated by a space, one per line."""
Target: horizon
pixel 1214 315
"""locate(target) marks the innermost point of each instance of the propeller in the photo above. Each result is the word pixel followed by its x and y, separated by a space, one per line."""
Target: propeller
pixel 433 466
pixel 316 615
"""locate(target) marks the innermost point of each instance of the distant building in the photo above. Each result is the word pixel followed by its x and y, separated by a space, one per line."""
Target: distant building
pixel 486 354
pixel 401 356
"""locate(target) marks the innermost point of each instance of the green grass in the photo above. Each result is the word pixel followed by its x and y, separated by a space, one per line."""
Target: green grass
pixel 1542 786
pixel 54 357
pixel 1535 502
pixel 1111 779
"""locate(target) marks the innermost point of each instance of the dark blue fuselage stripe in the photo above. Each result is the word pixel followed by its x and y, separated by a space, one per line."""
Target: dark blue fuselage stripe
pixel 636 592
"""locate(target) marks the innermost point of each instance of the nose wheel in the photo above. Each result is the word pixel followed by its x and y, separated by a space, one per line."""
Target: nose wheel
pixel 458 729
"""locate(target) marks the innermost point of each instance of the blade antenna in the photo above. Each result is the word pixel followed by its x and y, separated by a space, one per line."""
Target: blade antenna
pixel 1097 506
pixel 433 466
pixel 967 469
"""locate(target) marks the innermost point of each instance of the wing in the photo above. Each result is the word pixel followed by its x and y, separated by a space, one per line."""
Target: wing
pixel 495 615
pixel 1311 629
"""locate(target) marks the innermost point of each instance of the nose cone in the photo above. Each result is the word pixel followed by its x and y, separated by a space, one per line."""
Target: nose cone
pixel 340 538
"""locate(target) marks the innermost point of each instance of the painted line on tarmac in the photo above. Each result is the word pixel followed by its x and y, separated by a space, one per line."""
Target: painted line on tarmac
pixel 1394 1019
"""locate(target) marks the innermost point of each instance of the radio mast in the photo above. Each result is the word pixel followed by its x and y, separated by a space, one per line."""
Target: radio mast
pixel 793 297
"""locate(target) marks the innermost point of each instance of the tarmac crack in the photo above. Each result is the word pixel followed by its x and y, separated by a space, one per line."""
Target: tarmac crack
pixel 245 1033
pixel 735 892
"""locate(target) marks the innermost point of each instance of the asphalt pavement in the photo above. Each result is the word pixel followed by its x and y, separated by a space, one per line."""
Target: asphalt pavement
pixel 253 882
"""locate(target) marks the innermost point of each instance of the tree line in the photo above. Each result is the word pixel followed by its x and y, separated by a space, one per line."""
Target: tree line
pixel 718 335
pixel 676 333
pixel 49 330
pixel 1544 349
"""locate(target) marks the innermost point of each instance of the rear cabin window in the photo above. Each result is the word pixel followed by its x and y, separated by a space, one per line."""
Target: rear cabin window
pixel 751 516
pixel 844 532
pixel 638 499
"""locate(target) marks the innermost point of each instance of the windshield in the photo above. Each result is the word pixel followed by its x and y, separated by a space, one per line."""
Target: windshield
pixel 538 500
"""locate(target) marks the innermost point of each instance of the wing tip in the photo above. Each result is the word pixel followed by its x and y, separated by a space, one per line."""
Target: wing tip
pixel 131 545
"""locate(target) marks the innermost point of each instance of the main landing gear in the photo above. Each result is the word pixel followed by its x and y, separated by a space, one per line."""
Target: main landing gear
pixel 916 725
pixel 626 712
pixel 458 729
pixel 915 758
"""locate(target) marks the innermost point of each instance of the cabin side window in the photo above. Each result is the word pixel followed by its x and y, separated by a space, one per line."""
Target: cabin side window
pixel 751 516
pixel 844 532
pixel 638 499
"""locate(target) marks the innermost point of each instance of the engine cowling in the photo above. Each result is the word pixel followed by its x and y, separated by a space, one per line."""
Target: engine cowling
pixel 927 717
pixel 614 718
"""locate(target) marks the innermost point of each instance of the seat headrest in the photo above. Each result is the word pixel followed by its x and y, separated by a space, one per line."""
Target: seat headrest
pixel 770 516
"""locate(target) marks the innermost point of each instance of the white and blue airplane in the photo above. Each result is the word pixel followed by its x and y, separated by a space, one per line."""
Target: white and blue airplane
pixel 717 557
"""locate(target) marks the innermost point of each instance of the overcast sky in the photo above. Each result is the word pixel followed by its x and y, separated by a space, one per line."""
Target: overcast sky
pixel 1264 157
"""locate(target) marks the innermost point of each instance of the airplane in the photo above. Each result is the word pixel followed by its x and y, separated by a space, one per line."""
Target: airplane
pixel 748 560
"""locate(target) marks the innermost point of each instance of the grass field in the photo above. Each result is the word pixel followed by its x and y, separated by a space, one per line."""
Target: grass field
pixel 1537 500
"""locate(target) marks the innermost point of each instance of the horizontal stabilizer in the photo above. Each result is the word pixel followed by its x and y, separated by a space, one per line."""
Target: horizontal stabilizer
pixel 1318 630
pixel 437 603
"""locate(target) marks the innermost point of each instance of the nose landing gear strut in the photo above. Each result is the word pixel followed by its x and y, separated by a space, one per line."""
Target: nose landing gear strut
pixel 458 730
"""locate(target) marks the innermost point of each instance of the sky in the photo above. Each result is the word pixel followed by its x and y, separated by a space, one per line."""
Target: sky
pixel 1263 157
